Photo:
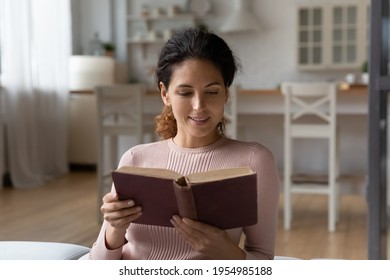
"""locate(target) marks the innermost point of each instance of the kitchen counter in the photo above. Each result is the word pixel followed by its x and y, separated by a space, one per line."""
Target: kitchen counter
pixel 260 115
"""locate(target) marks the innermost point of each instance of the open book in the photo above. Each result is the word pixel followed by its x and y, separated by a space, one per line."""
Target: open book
pixel 225 198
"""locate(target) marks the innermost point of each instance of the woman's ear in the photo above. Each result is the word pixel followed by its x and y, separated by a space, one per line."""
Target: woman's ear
pixel 164 94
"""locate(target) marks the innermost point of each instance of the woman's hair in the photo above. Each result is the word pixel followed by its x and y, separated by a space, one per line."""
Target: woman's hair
pixel 193 43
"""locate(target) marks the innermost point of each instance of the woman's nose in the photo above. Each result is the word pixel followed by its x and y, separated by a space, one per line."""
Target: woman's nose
pixel 199 102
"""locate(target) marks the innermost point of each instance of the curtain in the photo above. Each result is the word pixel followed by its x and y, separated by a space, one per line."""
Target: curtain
pixel 2 156
pixel 35 48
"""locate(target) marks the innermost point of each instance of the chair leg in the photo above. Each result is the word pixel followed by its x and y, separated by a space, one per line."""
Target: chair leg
pixel 333 196
pixel 287 185
pixel 332 208
pixel 113 152
pixel 287 205
pixel 100 178
pixel 337 202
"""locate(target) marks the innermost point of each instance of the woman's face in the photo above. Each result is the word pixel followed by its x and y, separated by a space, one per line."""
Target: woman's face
pixel 197 95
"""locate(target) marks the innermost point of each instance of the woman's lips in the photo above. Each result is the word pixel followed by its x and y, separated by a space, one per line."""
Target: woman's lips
pixel 199 120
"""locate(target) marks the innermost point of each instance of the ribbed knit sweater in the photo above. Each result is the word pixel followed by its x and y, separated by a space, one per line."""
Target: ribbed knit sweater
pixel 155 242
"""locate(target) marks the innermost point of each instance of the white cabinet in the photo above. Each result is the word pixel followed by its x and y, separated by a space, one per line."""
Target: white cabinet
pixel 311 37
pixel 332 36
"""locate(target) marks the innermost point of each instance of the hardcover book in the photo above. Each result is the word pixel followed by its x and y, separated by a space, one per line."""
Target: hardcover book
pixel 225 198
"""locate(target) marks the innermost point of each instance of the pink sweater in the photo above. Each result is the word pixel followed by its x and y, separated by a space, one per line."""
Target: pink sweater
pixel 154 242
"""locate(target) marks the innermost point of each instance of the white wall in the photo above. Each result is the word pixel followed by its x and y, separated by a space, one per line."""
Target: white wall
pixel 88 17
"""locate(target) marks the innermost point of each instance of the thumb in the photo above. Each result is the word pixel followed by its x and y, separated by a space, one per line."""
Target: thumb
pixel 110 197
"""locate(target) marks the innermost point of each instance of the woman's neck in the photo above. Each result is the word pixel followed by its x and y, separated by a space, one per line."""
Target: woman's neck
pixel 196 142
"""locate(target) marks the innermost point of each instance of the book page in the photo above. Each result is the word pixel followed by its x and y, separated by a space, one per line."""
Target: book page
pixel 151 172
pixel 217 175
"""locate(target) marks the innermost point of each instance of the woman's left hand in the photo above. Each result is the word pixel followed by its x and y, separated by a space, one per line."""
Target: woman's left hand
pixel 207 240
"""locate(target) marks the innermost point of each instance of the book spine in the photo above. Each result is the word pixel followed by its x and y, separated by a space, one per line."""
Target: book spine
pixel 185 201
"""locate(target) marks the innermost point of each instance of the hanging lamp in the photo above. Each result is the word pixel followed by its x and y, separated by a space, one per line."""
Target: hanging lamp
pixel 241 19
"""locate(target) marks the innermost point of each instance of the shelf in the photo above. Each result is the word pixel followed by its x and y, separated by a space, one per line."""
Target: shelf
pixel 145 41
pixel 160 17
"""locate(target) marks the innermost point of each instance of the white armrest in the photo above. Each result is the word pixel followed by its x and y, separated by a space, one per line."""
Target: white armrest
pixel 30 250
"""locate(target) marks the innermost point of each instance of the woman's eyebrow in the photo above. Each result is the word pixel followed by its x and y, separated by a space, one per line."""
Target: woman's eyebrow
pixel 189 86
pixel 184 85
pixel 213 84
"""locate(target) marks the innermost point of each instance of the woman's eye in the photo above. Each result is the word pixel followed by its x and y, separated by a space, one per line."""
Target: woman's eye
pixel 185 93
pixel 212 92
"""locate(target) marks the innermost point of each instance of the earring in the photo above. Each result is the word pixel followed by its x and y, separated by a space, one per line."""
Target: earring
pixel 221 127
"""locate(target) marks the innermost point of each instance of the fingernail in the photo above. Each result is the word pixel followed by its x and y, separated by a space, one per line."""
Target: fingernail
pixel 176 218
pixel 131 203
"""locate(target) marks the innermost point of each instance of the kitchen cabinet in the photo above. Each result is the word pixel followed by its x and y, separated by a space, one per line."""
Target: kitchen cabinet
pixel 332 36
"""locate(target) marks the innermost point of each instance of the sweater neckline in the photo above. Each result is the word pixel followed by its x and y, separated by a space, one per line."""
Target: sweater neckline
pixel 199 150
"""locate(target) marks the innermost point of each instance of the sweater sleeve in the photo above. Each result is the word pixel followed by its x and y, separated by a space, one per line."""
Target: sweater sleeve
pixel 260 238
pixel 99 250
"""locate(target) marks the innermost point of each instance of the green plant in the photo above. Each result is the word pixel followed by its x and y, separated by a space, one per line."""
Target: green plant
pixel 201 25
pixel 109 47
pixel 365 67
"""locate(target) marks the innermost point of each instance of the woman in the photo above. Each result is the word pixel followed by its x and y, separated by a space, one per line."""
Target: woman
pixel 194 73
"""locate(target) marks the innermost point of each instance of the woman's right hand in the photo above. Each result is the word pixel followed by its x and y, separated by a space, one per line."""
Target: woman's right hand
pixel 118 214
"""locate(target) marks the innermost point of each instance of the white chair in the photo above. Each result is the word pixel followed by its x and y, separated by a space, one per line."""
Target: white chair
pixel 230 114
pixel 310 113
pixel 120 113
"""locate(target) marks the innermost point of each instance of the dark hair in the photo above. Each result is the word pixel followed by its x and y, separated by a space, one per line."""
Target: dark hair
pixel 193 43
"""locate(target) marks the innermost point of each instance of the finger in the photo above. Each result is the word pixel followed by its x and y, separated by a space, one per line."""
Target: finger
pixel 199 226
pixel 121 213
pixel 110 197
pixel 190 226
pixel 179 225
pixel 187 232
pixel 201 232
pixel 116 205
pixel 123 221
pixel 113 197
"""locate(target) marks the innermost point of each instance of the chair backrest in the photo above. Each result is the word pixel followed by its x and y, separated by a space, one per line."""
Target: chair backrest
pixel 120 105
pixel 230 113
pixel 314 100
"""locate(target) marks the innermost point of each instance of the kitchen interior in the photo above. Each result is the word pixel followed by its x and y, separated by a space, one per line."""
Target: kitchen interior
pixel 117 42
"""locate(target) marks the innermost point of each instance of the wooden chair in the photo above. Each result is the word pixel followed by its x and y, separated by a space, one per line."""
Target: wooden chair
pixel 120 113
pixel 310 113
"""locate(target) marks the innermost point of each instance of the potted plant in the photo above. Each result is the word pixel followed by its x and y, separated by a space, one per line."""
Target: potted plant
pixel 109 48
pixel 365 76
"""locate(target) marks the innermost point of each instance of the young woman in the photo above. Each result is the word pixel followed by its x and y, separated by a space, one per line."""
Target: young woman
pixel 194 73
